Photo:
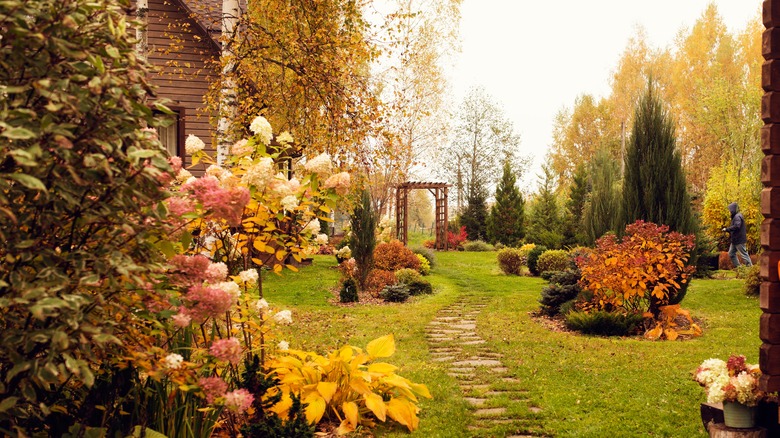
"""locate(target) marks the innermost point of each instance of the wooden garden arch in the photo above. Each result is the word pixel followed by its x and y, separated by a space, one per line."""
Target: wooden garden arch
pixel 439 191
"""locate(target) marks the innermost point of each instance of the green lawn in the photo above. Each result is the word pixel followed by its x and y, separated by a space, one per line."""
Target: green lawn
pixel 585 386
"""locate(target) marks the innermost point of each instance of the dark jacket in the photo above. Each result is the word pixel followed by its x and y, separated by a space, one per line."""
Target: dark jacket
pixel 738 229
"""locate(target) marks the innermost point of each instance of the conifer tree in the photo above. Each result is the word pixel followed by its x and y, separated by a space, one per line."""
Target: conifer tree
pixel 654 187
pixel 474 218
pixel 573 226
pixel 600 212
pixel 545 218
pixel 505 223
pixel 363 222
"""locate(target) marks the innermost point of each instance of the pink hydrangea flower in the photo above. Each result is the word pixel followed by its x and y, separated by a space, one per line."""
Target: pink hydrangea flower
pixel 222 203
pixel 181 319
pixel 206 302
pixel 213 387
pixel 339 182
pixel 189 270
pixel 175 163
pixel 216 272
pixel 239 400
pixel 227 349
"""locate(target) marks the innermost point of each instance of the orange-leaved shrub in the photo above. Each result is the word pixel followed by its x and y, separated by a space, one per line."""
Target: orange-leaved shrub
pixel 640 272
pixel 393 255
pixel 378 279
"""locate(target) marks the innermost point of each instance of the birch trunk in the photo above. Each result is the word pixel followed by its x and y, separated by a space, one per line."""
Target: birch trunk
pixel 142 13
pixel 230 16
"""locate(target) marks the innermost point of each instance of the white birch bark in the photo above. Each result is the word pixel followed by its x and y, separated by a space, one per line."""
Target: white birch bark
pixel 142 13
pixel 230 17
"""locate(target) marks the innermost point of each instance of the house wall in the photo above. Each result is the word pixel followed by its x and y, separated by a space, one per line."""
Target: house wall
pixel 183 54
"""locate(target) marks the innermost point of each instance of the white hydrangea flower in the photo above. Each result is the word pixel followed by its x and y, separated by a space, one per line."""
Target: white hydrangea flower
pixel 283 317
pixel 283 345
pixel 230 287
pixel 261 305
pixel 313 227
pixel 262 128
pixel 193 144
pixel 284 138
pixel 250 276
pixel 173 361
pixel 322 239
pixel 260 173
pixel 183 175
pixel 289 202
pixel 321 164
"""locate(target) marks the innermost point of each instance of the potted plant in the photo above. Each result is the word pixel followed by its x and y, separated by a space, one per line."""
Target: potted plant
pixel 735 384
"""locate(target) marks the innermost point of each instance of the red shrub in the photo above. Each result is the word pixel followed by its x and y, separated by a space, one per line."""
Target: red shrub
pixel 455 241
pixel 429 243
pixel 393 256
pixel 378 279
pixel 724 262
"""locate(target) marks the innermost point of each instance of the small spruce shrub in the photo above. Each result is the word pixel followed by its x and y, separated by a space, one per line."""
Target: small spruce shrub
pixel 707 263
pixel 407 275
pixel 553 260
pixel 425 265
pixel 420 287
pixel 395 293
pixel 753 281
pixel 428 253
pixel 604 323
pixel 393 255
pixel 477 246
pixel 563 288
pixel 511 261
pixel 349 293
pixel 533 258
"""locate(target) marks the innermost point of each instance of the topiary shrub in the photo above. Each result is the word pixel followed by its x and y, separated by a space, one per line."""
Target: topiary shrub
pixel 553 260
pixel 477 246
pixel 378 279
pixel 393 255
pixel 511 261
pixel 604 323
pixel 533 258
pixel 564 287
pixel 395 293
pixel 428 253
pixel 425 266
pixel 349 291
pixel 753 281
pixel 420 287
pixel 407 275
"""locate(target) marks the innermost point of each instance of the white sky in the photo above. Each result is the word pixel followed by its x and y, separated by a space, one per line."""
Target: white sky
pixel 537 56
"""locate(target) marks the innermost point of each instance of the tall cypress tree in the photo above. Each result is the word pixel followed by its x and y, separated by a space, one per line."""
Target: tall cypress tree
pixel 654 187
pixel 363 223
pixel 474 218
pixel 505 223
pixel 599 214
pixel 545 218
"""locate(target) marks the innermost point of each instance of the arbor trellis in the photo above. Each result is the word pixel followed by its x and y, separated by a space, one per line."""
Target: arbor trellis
pixel 439 191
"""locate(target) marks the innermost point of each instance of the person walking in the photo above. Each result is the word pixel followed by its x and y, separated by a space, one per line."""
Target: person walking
pixel 738 232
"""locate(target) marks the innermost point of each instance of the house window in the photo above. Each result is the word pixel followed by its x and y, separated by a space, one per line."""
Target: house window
pixel 171 136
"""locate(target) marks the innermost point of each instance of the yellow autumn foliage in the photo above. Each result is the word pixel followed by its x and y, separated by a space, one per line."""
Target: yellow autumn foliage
pixel 347 386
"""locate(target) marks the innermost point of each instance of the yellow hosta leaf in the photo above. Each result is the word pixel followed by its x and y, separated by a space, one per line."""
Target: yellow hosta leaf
pixel 420 389
pixel 671 334
pixel 655 333
pixel 376 404
pixel 404 412
pixel 350 413
pixel 327 389
pixel 381 347
pixel 345 353
pixel 282 406
pixel 359 385
pixel 316 408
pixel 381 368
pixel 345 427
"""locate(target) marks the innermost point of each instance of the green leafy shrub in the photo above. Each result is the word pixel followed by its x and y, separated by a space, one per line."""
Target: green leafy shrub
pixel 564 287
pixel 80 187
pixel 477 246
pixel 604 323
pixel 553 260
pixel 407 275
pixel 498 246
pixel 393 255
pixel 511 261
pixel 753 281
pixel 533 258
pixel 420 287
pixel 425 266
pixel 395 293
pixel 348 292
pixel 428 253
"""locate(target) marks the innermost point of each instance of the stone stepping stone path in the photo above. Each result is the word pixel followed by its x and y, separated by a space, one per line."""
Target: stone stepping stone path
pixel 454 343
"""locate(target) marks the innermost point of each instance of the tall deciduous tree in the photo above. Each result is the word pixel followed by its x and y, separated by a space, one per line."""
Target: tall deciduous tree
pixel 544 227
pixel 483 139
pixel 654 187
pixel 505 223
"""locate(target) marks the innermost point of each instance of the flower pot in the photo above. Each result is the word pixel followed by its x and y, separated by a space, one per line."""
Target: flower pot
pixel 739 416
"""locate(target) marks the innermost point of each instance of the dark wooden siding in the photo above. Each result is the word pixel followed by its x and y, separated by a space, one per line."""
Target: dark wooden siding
pixel 184 56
